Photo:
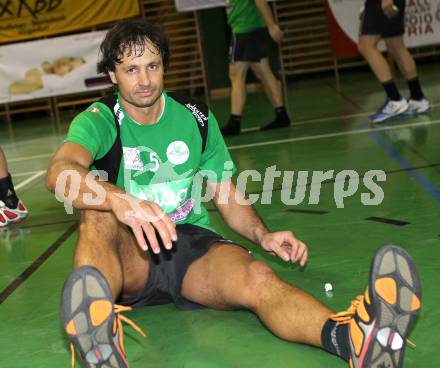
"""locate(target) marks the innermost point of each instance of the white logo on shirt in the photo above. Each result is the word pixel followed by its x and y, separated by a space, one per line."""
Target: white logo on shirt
pixel 197 114
pixel 118 112
pixel 177 152
pixel 132 159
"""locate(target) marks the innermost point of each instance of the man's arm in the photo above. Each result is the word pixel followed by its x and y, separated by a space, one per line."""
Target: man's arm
pixel 142 216
pixel 273 28
pixel 241 217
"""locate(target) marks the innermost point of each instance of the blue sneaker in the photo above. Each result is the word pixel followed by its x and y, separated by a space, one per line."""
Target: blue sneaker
pixel 389 109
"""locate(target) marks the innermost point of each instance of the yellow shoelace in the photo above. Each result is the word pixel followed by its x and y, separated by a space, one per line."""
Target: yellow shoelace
pixel 118 309
pixel 344 317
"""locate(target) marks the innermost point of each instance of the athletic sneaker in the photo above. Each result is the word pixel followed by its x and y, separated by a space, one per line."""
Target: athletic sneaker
pixel 389 109
pixel 380 320
pixel 276 124
pixel 418 106
pixel 231 128
pixel 91 321
pixel 9 215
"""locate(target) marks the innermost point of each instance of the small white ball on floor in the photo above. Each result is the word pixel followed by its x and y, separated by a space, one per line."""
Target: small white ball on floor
pixel 328 287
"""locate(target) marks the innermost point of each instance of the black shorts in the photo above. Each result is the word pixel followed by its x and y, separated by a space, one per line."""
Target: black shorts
pixel 168 268
pixel 250 46
pixel 375 22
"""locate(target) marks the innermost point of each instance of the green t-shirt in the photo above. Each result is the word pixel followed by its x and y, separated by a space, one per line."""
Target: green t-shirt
pixel 244 16
pixel 162 162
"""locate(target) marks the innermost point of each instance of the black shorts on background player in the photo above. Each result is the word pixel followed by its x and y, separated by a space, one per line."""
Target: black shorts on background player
pixel 375 22
pixel 250 46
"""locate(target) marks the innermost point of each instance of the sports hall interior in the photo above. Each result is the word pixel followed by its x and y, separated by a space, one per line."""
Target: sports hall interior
pixel 328 100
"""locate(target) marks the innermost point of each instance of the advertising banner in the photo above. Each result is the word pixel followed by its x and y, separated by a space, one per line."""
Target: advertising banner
pixel 25 19
pixel 43 68
pixel 422 23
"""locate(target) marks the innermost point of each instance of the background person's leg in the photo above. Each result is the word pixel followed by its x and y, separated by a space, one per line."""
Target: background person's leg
pixel 3 165
pixel 367 46
pixel 418 103
pixel 227 277
pixel 12 209
pixel 237 75
pixel 395 103
pixel 272 87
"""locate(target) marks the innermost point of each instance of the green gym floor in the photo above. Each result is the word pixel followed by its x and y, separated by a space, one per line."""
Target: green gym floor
pixel 330 131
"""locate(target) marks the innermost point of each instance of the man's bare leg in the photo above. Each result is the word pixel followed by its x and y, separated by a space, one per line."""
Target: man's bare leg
pixel 395 104
pixel 401 55
pixel 124 266
pixel 108 262
pixel 274 92
pixel 227 277
pixel 237 75
pixel 368 48
pixel 3 165
pixel 418 103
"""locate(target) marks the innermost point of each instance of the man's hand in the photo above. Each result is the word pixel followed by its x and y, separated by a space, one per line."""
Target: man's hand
pixel 144 217
pixel 389 8
pixel 286 246
pixel 276 33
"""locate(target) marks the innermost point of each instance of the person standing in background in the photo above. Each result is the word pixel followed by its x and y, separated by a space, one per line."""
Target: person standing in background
pixel 250 21
pixel 12 209
pixel 386 19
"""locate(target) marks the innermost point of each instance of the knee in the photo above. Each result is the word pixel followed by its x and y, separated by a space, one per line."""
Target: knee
pixel 97 221
pixel 363 47
pixel 259 280
pixel 236 76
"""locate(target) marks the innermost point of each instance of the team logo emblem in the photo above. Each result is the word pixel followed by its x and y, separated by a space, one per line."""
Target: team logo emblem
pixel 132 159
pixel 178 152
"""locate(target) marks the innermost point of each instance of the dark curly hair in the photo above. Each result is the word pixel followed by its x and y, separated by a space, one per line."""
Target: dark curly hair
pixel 131 35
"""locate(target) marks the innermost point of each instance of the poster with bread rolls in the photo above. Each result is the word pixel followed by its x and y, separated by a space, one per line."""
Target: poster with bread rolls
pixel 44 68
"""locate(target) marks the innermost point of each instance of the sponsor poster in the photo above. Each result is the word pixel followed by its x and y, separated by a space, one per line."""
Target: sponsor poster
pixel 43 68
pixel 26 19
pixel 422 24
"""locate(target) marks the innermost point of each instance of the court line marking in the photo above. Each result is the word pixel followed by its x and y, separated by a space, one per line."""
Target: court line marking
pixel 424 182
pixel 26 173
pixel 30 179
pixel 18 159
pixel 322 120
pixel 37 263
pixel 330 135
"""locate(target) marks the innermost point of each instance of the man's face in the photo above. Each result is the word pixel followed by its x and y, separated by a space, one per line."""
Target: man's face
pixel 140 77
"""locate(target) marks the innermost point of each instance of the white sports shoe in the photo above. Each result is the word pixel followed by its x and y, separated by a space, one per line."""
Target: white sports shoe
pixel 389 109
pixel 418 106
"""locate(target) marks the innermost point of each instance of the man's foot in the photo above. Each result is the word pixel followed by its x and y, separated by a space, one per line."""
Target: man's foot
pixel 276 124
pixel 389 109
pixel 418 106
pixel 231 128
pixel 9 214
pixel 91 321
pixel 379 322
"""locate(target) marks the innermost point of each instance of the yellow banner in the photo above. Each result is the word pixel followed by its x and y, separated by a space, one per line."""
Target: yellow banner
pixel 24 19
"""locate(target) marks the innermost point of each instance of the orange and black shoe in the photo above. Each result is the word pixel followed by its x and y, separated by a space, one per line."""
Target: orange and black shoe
pixel 380 320
pixel 91 320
